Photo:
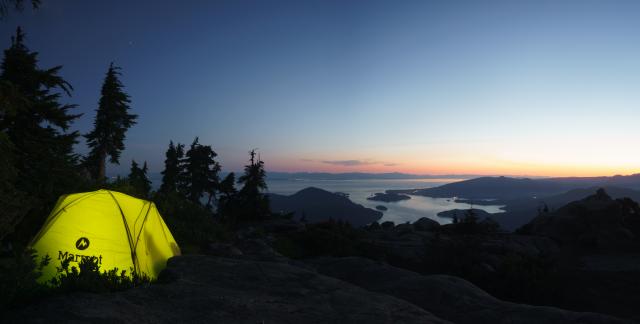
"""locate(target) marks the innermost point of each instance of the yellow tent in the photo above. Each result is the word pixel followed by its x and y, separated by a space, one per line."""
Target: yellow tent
pixel 120 231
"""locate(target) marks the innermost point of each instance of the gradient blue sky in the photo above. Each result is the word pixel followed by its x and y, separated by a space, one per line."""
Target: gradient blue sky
pixel 484 87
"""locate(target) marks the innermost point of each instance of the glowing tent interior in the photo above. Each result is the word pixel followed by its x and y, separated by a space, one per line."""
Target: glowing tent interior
pixel 120 231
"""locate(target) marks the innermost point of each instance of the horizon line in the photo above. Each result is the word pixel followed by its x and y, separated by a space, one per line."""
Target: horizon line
pixel 418 175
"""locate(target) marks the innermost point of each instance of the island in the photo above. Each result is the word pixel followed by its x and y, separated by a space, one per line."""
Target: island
pixel 388 197
pixel 381 208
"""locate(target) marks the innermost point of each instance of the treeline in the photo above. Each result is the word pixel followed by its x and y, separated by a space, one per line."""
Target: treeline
pixel 195 173
pixel 38 163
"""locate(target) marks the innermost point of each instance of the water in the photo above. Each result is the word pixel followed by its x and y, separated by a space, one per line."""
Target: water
pixel 398 212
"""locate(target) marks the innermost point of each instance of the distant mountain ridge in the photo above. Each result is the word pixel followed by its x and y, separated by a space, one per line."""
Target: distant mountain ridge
pixel 506 188
pixel 490 188
pixel 359 176
pixel 522 210
pixel 156 177
pixel 523 197
pixel 595 222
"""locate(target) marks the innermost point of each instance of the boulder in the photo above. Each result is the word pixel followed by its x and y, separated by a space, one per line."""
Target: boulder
pixel 223 249
pixel 258 249
pixel 205 289
pixel 425 224
pixel 281 225
pixel 388 225
pixel 447 297
pixel 404 228
pixel 373 226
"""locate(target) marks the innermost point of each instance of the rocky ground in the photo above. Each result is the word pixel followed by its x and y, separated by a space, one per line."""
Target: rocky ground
pixel 447 297
pixel 248 282
pixel 213 289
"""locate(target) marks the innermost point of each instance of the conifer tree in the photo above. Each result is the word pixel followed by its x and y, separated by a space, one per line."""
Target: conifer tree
pixel 173 165
pixel 11 199
pixel 227 186
pixel 110 125
pixel 182 183
pixel 145 183
pixel 35 123
pixel 200 173
pixel 138 179
pixel 228 196
pixel 255 204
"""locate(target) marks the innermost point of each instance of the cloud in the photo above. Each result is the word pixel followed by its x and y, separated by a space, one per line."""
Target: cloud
pixel 353 163
pixel 349 162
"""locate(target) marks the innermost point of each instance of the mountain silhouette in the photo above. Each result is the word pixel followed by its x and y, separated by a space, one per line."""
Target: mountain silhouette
pixel 317 205
pixel 506 188
pixel 595 222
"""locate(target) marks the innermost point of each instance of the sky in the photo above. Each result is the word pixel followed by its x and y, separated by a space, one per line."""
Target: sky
pixel 429 87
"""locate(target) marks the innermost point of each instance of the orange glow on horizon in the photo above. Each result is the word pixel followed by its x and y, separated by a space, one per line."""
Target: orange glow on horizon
pixel 459 168
pixel 520 158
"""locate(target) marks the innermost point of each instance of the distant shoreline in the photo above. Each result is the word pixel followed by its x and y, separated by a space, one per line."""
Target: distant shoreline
pixel 360 176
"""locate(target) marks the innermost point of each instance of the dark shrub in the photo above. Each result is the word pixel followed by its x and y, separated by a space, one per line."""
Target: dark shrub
pixel 191 224
pixel 331 238
pixel 88 277
pixel 18 277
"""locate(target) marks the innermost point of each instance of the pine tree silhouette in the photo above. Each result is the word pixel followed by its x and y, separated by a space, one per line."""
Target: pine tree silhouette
pixel 172 168
pixel 11 198
pixel 139 180
pixel 255 204
pixel 110 125
pixel 36 124
pixel 228 200
pixel 227 186
pixel 200 173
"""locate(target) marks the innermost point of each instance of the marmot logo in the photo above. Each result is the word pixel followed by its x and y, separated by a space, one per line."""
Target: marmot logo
pixel 82 243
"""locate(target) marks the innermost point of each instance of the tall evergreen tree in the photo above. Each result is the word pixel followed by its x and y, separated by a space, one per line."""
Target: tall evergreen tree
pixel 35 123
pixel 11 199
pixel 138 179
pixel 183 179
pixel 111 123
pixel 227 186
pixel 255 203
pixel 173 165
pixel 200 172
pixel 228 200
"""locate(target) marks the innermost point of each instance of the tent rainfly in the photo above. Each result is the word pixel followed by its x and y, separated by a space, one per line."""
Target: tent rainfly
pixel 118 230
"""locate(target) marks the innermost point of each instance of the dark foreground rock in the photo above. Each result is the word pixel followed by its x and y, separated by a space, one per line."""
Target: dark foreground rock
pixel 595 223
pixel 462 213
pixel 426 224
pixel 447 297
pixel 204 289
